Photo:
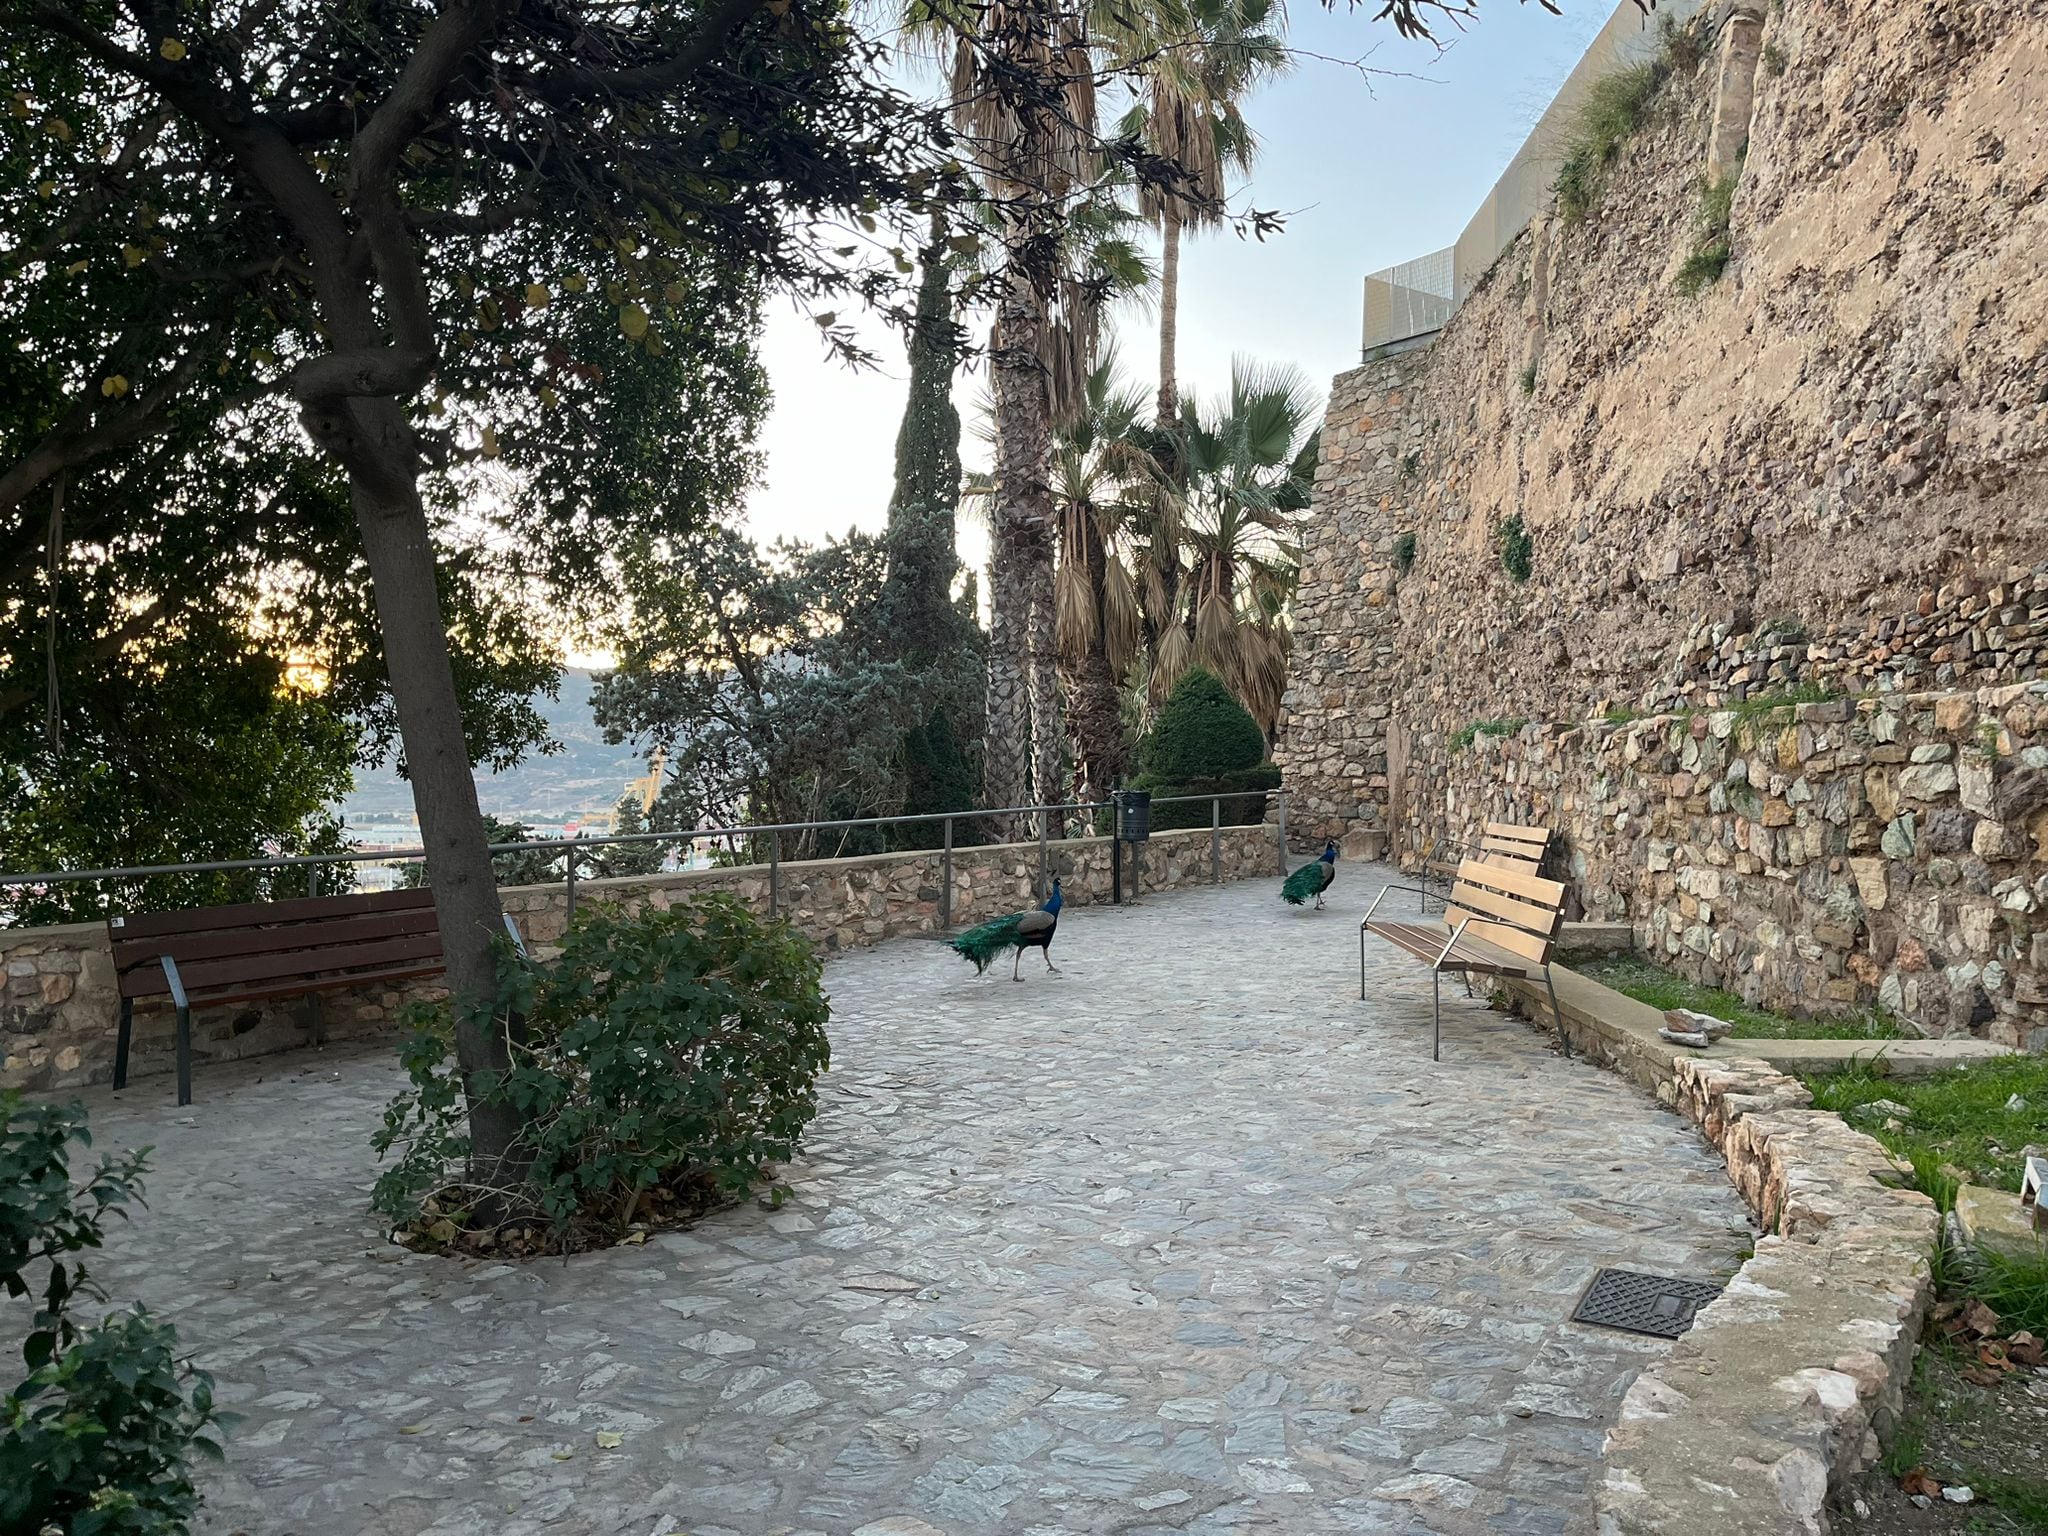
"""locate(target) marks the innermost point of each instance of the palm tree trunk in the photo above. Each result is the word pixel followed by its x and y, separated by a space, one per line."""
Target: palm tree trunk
pixel 1094 702
pixel 1048 738
pixel 1021 553
pixel 1169 312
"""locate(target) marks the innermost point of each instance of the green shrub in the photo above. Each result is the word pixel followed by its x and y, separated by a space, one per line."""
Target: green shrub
pixel 1201 731
pixel 1529 380
pixel 1462 741
pixel 1517 547
pixel 94 1440
pixel 666 1061
pixel 1204 743
pixel 1404 554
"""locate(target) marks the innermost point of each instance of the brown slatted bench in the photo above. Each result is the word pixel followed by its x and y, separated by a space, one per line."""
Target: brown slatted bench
pixel 1502 842
pixel 1501 921
pixel 263 950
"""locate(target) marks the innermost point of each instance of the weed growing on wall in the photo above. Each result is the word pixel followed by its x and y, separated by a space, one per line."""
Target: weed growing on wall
pixel 1711 248
pixel 1529 380
pixel 1463 740
pixel 1517 548
pixel 1615 107
pixel 1404 554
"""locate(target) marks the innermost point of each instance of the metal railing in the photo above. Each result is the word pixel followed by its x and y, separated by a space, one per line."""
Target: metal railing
pixel 575 850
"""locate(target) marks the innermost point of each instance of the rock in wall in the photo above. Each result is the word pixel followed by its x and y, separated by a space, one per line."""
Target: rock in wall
pixel 1821 478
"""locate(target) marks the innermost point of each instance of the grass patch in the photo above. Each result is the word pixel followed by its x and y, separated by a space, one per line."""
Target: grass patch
pixel 1529 380
pixel 1517 548
pixel 1635 977
pixel 1759 706
pixel 1712 248
pixel 1478 728
pixel 1615 107
pixel 1957 1119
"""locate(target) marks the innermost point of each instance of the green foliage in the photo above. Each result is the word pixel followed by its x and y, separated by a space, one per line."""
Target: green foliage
pixel 1201 731
pixel 628 858
pixel 1462 741
pixel 1614 108
pixel 1404 554
pixel 532 866
pixel 1774 60
pixel 190 750
pixel 1635 977
pixel 1959 1118
pixel 776 682
pixel 1775 707
pixel 1204 742
pixel 1528 379
pixel 94 1440
pixel 1711 246
pixel 1517 547
pixel 666 1059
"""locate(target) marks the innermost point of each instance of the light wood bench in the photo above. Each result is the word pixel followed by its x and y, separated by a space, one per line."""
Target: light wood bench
pixel 1502 842
pixel 1501 920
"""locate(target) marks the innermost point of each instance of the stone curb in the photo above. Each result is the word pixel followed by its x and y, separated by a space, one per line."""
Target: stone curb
pixel 1781 1389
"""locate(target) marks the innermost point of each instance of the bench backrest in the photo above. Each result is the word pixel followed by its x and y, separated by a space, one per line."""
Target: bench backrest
pixel 1509 907
pixel 1503 842
pixel 273 944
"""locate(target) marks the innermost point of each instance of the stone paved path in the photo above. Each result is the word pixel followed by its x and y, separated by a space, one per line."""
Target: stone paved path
pixel 1185 1239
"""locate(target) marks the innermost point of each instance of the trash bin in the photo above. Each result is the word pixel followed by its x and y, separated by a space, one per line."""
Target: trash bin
pixel 1134 815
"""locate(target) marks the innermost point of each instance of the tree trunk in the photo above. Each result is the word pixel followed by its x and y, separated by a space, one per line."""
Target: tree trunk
pixel 1048 738
pixel 400 551
pixel 1169 312
pixel 1094 701
pixel 1020 660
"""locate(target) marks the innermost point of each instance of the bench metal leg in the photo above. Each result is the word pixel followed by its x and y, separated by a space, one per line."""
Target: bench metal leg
pixel 1361 962
pixel 184 1057
pixel 121 1042
pixel 1436 998
pixel 1557 1014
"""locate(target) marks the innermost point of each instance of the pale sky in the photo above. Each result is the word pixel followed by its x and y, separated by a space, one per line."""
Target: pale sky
pixel 1369 171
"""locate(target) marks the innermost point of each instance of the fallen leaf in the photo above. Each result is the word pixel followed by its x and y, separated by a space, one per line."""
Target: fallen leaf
pixel 565 1455
pixel 1980 1319
pixel 1980 1376
pixel 1921 1481
pixel 412 1429
pixel 609 1439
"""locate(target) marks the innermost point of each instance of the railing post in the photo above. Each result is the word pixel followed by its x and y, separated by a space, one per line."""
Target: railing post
pixel 1044 856
pixel 569 865
pixel 1280 802
pixel 312 879
pixel 1215 839
pixel 1116 849
pixel 774 874
pixel 946 879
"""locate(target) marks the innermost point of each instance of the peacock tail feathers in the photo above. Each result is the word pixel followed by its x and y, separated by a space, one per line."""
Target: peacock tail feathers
pixel 1306 882
pixel 984 942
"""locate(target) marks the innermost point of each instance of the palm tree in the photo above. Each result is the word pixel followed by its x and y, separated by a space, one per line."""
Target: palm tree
pixel 1250 465
pixel 1104 470
pixel 1197 60
pixel 1023 89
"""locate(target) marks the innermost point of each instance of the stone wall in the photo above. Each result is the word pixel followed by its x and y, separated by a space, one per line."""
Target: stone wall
pixel 59 1006
pixel 1825 477
pixel 1783 1387
pixel 1890 851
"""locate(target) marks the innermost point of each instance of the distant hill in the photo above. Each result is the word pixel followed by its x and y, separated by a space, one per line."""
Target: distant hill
pixel 587 776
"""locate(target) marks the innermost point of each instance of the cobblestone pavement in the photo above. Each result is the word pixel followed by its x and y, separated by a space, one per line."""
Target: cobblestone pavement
pixel 1183 1238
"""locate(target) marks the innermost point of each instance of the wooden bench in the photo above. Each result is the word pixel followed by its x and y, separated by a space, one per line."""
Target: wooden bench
pixel 263 950
pixel 1502 920
pixel 1502 842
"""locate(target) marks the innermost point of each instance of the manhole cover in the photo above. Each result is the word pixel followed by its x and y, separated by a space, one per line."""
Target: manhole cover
pixel 1655 1304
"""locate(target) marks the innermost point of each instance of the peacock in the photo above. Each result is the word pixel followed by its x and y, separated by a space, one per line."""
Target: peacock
pixel 1019 931
pixel 1311 879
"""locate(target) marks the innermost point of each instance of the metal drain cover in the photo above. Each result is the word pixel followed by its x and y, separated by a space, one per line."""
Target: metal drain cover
pixel 1654 1304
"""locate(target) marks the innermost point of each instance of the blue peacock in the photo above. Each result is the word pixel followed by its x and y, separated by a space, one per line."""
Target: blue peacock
pixel 1311 879
pixel 1019 931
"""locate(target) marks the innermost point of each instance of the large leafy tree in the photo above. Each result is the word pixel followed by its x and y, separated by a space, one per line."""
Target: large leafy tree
pixel 404 222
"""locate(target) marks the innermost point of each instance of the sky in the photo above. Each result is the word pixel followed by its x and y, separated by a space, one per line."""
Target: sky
pixel 1370 166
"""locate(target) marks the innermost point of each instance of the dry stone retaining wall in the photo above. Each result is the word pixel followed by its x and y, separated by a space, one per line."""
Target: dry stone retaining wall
pixel 58 1007
pixel 1825 476
pixel 1779 1392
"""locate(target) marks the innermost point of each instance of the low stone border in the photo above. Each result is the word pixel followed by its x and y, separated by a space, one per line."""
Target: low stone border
pixel 1780 1391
